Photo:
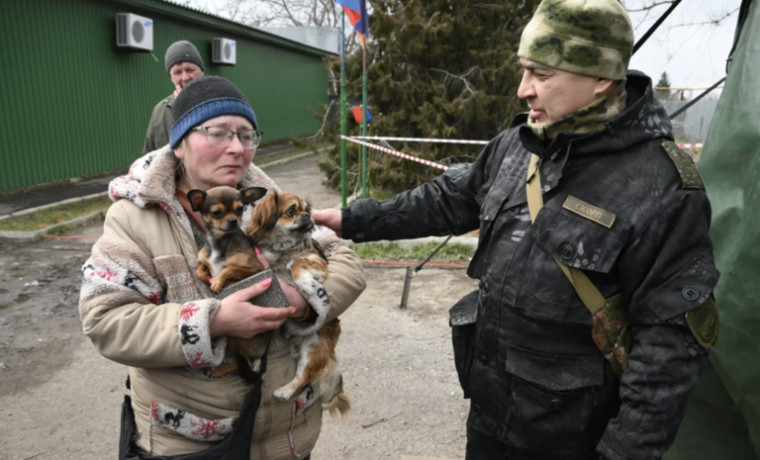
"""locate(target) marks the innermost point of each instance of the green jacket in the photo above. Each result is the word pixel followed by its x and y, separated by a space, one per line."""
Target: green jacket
pixel 159 126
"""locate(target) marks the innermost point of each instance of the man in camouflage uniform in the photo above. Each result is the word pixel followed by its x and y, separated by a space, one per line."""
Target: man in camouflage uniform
pixel 621 203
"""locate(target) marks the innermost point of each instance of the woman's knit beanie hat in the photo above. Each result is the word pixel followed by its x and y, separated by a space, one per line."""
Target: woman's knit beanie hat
pixel 182 51
pixel 205 98
pixel 588 37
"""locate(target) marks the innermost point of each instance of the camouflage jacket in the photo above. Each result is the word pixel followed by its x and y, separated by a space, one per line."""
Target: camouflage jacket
pixel 625 206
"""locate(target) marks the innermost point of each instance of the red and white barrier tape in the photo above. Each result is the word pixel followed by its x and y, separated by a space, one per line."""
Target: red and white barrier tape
pixel 395 152
pixel 419 139
pixel 464 141
pixel 357 140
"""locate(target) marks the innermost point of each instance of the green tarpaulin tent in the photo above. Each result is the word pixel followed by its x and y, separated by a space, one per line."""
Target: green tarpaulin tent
pixel 723 417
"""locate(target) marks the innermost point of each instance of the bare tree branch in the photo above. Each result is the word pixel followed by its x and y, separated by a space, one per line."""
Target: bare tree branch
pixel 325 118
pixel 710 22
pixel 282 13
pixel 646 6
pixel 467 85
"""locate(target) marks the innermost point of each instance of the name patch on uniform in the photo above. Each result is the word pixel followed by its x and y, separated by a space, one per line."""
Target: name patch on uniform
pixel 590 212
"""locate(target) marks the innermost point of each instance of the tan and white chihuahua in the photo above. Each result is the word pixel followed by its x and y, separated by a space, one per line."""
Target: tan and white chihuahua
pixel 281 227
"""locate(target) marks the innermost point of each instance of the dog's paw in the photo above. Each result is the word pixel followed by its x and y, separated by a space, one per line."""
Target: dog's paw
pixel 216 284
pixel 283 393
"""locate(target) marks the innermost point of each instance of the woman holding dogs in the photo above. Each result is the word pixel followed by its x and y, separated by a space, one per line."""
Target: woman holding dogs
pixel 142 305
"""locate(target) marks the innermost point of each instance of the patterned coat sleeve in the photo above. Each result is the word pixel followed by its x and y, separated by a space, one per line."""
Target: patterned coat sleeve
pixel 136 308
pixel 347 278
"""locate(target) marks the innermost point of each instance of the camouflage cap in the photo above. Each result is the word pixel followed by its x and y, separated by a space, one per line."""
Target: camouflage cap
pixel 589 37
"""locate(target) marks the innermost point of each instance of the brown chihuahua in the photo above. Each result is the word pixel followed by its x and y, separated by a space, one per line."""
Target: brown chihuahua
pixel 227 255
pixel 281 227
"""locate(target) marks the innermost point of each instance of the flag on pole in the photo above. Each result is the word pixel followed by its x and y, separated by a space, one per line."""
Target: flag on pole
pixel 357 111
pixel 356 11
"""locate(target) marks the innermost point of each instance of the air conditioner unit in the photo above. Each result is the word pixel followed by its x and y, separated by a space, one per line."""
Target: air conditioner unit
pixel 223 51
pixel 133 31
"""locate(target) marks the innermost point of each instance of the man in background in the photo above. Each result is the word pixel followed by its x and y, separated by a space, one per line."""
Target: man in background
pixel 184 64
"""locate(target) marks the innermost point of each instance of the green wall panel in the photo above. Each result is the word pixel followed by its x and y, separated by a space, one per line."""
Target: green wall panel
pixel 73 104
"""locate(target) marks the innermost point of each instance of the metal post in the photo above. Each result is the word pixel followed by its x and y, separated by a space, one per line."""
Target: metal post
pixel 410 271
pixel 343 158
pixel 364 120
pixel 407 284
pixel 654 27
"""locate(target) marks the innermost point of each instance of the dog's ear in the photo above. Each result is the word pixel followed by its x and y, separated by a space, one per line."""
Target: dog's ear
pixel 274 215
pixel 196 198
pixel 252 194
pixel 307 205
pixel 264 216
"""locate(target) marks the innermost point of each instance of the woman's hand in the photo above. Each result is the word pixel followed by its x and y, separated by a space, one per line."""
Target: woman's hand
pixel 237 317
pixel 331 218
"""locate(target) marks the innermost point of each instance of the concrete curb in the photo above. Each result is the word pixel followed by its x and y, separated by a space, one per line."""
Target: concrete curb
pixel 30 237
pixel 36 235
pixel 51 205
pixel 287 160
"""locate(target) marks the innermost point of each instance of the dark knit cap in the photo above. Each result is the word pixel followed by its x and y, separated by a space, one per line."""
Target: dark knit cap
pixel 205 98
pixel 182 51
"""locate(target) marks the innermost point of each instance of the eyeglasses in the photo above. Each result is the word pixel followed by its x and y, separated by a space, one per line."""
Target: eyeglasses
pixel 219 136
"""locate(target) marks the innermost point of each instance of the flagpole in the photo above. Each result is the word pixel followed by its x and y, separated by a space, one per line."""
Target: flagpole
pixel 364 97
pixel 343 159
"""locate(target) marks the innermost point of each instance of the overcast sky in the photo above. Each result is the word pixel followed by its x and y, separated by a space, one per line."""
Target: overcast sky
pixel 693 56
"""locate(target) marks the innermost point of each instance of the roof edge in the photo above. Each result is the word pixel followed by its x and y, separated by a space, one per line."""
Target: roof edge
pixel 225 25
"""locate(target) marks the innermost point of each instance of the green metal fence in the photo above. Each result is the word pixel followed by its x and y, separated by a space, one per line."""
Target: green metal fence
pixel 73 104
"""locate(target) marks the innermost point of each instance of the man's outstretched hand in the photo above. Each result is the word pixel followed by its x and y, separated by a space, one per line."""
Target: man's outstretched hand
pixel 330 218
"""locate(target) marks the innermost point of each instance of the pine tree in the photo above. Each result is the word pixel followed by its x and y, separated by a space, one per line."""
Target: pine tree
pixel 444 69
pixel 663 94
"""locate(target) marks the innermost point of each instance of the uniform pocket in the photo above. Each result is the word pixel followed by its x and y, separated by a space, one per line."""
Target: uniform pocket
pixel 489 211
pixel 462 318
pixel 544 292
pixel 578 242
pixel 553 397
